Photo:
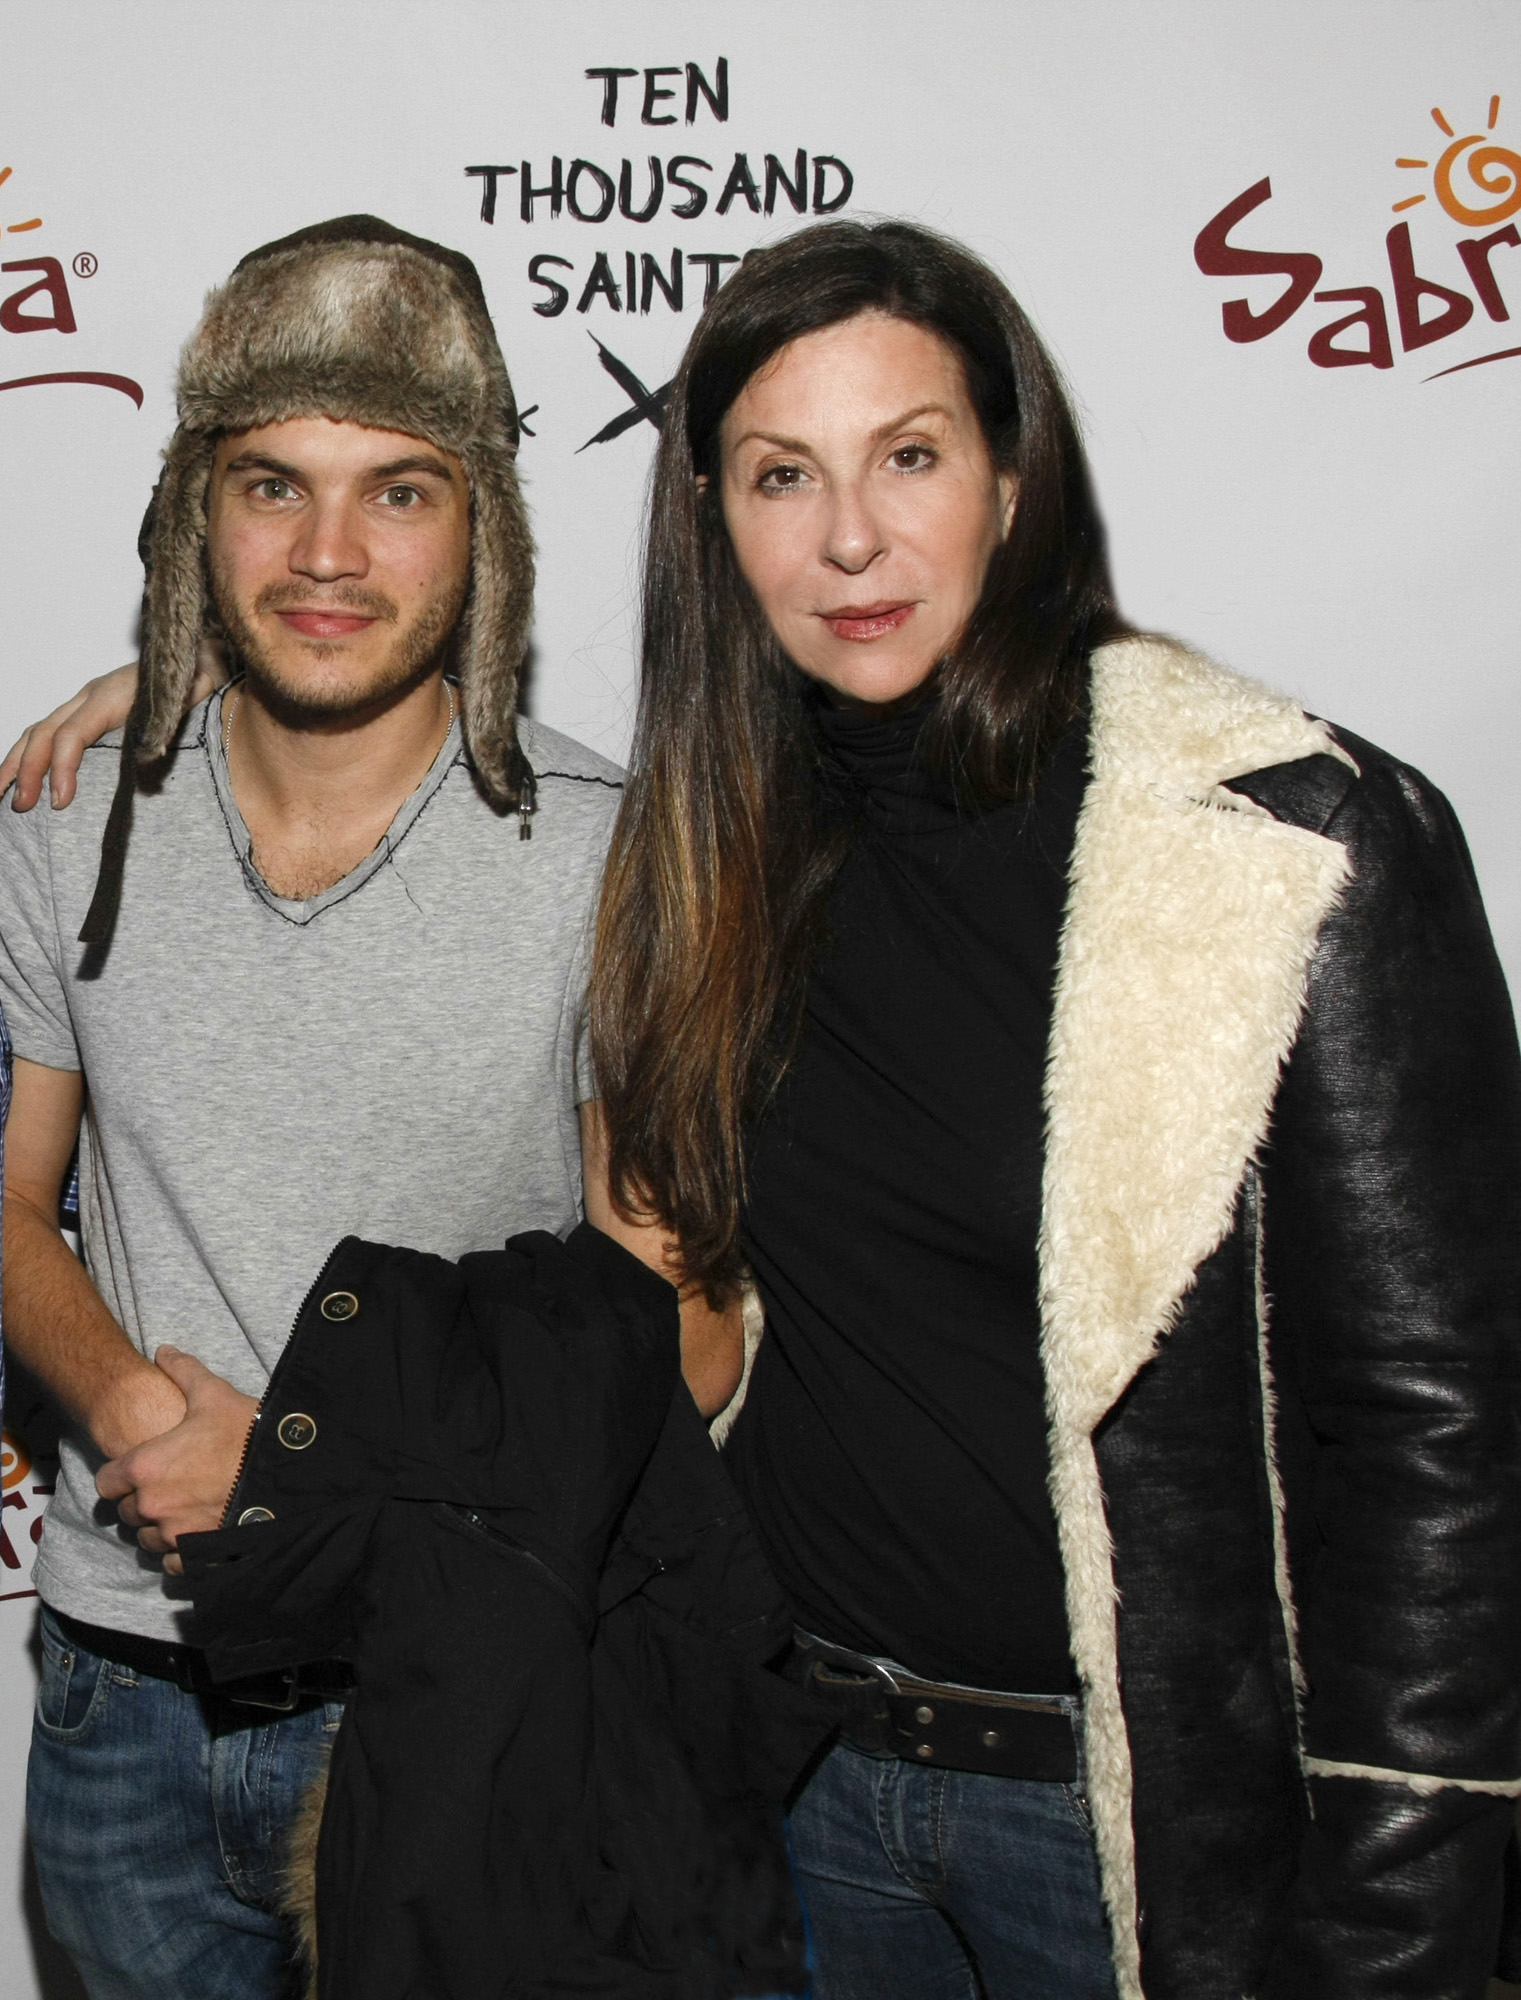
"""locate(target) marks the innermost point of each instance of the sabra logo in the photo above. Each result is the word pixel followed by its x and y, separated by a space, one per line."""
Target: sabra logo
pixel 19 313
pixel 25 1484
pixel 42 303
pixel 1477 183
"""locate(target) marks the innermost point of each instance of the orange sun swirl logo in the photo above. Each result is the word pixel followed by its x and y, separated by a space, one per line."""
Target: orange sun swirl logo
pixel 15 1461
pixel 17 228
pixel 1493 170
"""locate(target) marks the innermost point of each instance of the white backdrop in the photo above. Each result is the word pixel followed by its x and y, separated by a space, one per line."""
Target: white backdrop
pixel 1347 531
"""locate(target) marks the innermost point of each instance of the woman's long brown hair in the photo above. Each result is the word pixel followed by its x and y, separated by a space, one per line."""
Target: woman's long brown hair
pixel 730 829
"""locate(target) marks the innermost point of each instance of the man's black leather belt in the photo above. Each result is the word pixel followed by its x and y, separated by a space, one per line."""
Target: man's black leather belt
pixel 283 1689
pixel 930 1722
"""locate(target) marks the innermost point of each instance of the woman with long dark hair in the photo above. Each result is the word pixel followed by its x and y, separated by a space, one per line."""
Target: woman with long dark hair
pixel 1102 1069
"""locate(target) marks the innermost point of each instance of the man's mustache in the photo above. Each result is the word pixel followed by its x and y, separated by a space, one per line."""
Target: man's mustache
pixel 341 597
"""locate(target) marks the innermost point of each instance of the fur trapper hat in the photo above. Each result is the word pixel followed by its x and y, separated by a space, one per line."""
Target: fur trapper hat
pixel 357 320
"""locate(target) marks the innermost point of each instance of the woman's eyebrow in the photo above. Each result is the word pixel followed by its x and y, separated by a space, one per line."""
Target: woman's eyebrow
pixel 882 431
pixel 910 416
pixel 772 437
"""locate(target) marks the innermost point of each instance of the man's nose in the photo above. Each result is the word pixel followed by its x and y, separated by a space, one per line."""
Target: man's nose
pixel 331 543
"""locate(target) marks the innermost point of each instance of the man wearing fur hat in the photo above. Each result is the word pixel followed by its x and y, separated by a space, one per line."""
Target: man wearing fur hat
pixel 211 970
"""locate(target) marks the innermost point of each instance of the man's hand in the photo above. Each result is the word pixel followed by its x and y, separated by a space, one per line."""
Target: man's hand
pixel 177 1484
pixel 141 1404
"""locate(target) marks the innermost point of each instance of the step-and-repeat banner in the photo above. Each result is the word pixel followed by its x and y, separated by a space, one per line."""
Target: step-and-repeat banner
pixel 1277 250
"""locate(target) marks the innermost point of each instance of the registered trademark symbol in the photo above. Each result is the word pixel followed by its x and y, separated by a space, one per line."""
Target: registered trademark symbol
pixel 85 265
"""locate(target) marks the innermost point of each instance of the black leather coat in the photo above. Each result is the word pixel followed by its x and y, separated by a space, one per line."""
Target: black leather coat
pixel 1385 1210
pixel 485 1485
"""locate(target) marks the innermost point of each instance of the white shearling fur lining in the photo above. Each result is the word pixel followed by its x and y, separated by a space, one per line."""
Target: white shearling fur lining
pixel 1423 1782
pixel 1269 1390
pixel 1190 926
pixel 754 1316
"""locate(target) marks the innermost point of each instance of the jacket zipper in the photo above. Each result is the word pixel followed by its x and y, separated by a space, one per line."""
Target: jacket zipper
pixel 513 1546
pixel 253 1428
pixel 248 1438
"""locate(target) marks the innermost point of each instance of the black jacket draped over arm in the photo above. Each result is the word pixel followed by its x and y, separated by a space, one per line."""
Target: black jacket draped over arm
pixel 485 1485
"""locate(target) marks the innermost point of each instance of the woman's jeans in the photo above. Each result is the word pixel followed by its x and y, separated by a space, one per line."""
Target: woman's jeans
pixel 926 1884
pixel 158 1822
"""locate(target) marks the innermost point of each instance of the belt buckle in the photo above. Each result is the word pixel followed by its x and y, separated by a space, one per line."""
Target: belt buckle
pixel 280 1705
pixel 942 1724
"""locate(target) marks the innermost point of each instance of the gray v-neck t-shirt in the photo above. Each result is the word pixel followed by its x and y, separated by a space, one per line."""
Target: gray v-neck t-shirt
pixel 398 1058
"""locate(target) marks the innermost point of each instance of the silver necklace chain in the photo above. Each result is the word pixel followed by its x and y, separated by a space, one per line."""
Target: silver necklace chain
pixel 230 709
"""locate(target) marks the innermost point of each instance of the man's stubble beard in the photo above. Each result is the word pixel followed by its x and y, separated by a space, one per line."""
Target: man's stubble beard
pixel 416 651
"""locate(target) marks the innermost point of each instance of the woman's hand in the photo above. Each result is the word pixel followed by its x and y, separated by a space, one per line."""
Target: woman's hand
pixel 712 1342
pixel 53 747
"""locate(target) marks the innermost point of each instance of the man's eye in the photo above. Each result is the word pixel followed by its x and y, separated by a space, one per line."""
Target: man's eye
pixel 401 496
pixel 274 489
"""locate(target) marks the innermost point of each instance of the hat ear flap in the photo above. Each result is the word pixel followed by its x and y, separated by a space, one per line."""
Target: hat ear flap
pixel 173 545
pixel 494 632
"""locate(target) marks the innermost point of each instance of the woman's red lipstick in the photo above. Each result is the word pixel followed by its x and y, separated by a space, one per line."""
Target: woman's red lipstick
pixel 866 621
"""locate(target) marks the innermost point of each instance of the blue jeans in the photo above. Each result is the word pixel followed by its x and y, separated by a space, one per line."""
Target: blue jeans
pixel 923 1884
pixel 157 1820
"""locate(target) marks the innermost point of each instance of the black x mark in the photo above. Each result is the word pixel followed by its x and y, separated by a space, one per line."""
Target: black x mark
pixel 648 404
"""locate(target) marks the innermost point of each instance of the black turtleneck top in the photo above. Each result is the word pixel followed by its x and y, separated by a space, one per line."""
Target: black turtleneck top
pixel 893 1446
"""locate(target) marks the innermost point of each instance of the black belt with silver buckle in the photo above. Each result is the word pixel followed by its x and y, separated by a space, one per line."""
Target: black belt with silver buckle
pixel 883 1710
pixel 283 1689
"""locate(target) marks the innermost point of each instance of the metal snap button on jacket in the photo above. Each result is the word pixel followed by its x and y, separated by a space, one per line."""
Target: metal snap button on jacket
pixel 250 1514
pixel 296 1431
pixel 339 1305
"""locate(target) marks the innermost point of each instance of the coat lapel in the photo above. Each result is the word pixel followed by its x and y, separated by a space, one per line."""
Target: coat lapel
pixel 1190 926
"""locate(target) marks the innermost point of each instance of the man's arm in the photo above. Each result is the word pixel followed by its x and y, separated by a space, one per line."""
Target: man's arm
pixel 180 1427
pixel 56 1323
pixel 51 749
pixel 712 1343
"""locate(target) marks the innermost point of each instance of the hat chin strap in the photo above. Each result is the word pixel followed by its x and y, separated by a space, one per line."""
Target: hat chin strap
pixel 99 925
